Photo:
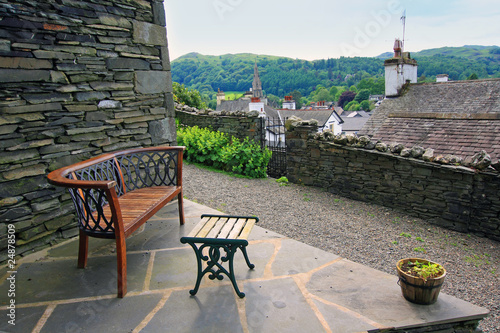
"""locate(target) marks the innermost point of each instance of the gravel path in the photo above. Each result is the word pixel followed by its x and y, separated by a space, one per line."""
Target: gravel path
pixel 368 234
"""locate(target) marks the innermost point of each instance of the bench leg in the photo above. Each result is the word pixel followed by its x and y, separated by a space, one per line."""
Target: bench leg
pixel 181 208
pixel 121 256
pixel 214 267
pixel 83 249
pixel 244 251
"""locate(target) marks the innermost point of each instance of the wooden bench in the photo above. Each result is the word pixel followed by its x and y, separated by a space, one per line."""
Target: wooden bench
pixel 216 233
pixel 115 193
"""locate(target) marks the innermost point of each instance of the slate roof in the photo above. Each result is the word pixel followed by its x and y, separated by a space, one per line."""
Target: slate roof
pixel 354 120
pixel 459 118
pixel 321 116
pixel 242 105
pixel 237 105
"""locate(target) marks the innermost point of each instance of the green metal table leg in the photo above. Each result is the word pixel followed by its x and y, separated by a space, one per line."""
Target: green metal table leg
pixel 214 267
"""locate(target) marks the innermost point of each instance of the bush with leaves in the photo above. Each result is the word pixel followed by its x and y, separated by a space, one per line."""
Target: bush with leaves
pixel 362 95
pixel 366 105
pixel 187 96
pixel 223 152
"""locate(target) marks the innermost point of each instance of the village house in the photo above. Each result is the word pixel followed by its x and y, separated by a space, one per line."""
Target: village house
pixel 353 121
pixel 327 115
pixel 458 118
pixel 328 118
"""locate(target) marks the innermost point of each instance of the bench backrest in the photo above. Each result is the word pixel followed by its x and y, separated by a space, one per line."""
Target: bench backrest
pixel 118 173
pixel 149 168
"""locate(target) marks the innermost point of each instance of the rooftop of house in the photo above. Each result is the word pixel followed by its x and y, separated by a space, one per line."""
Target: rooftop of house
pixel 354 120
pixel 321 116
pixel 242 104
pixel 457 117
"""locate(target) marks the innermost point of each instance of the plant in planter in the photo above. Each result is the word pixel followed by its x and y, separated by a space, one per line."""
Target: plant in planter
pixel 420 279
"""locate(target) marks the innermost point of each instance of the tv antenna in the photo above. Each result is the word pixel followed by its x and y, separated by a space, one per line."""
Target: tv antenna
pixel 403 20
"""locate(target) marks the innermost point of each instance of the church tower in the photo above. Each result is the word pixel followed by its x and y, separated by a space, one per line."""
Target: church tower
pixel 257 85
pixel 220 97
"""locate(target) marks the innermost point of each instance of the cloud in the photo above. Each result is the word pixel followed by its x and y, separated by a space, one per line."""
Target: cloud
pixel 323 28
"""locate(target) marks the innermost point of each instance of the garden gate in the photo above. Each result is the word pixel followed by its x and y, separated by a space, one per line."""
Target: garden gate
pixel 273 136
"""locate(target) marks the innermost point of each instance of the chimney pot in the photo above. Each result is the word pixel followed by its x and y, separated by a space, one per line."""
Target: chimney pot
pixel 398 45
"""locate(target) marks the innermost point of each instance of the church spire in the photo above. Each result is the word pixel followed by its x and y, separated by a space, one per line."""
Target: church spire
pixel 257 85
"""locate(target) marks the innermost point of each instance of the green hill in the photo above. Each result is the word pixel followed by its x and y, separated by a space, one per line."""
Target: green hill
pixel 280 75
pixel 467 51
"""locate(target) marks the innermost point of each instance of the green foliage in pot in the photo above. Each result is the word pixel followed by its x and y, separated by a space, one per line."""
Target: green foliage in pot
pixel 422 269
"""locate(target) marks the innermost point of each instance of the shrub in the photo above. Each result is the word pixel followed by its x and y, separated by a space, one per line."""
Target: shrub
pixel 188 96
pixel 223 152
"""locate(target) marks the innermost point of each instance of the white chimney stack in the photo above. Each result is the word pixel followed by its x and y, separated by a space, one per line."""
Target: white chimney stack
pixel 399 70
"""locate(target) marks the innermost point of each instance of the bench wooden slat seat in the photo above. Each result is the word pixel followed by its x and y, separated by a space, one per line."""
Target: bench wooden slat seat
pixel 216 233
pixel 115 193
pixel 142 204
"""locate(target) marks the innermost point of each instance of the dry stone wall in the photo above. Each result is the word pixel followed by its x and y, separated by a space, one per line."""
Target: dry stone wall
pixel 240 124
pixel 455 197
pixel 77 78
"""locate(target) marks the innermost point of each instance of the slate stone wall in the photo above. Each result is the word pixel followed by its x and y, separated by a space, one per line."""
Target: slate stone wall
pixel 454 197
pixel 238 124
pixel 77 78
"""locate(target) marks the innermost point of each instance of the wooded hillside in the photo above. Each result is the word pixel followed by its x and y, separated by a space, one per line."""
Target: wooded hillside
pixel 280 75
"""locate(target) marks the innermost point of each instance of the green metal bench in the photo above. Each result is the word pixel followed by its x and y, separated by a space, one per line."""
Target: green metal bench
pixel 215 233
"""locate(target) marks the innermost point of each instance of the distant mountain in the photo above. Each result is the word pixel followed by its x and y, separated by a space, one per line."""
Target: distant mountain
pixel 385 55
pixel 467 51
pixel 280 75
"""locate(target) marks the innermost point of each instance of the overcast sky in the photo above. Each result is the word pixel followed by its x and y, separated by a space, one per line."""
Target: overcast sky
pixel 321 29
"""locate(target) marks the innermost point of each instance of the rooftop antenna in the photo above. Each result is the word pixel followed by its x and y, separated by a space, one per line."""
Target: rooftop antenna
pixel 403 20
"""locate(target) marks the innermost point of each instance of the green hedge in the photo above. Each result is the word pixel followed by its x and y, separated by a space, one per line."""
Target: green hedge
pixel 223 152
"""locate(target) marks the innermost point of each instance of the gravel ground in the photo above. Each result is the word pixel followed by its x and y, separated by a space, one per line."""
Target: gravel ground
pixel 368 234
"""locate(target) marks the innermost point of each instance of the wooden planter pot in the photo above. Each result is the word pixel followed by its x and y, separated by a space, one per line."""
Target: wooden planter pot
pixel 416 289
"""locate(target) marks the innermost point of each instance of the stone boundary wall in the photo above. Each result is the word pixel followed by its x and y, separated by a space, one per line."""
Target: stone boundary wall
pixel 77 79
pixel 239 124
pixel 455 197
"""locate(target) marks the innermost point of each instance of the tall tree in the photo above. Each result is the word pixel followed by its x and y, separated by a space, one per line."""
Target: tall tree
pixel 297 97
pixel 322 95
pixel 362 95
pixel 346 97
pixel 333 92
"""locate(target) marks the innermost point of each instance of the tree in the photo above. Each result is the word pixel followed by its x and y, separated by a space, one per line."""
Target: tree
pixel 274 101
pixel 365 84
pixel 362 95
pixel 473 76
pixel 378 87
pixel 333 92
pixel 322 95
pixel 365 105
pixel 297 97
pixel 346 97
pixel 339 92
pixel 352 106
pixel 186 96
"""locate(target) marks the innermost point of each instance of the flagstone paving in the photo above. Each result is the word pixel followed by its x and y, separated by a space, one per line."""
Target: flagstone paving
pixel 294 287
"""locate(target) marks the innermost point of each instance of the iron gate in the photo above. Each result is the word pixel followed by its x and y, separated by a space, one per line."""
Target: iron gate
pixel 273 136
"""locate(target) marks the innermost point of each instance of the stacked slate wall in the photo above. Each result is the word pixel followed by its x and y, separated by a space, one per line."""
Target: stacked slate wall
pixel 454 197
pixel 239 124
pixel 77 79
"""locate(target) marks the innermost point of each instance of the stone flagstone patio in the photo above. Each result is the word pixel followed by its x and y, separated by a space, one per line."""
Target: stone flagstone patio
pixel 294 287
